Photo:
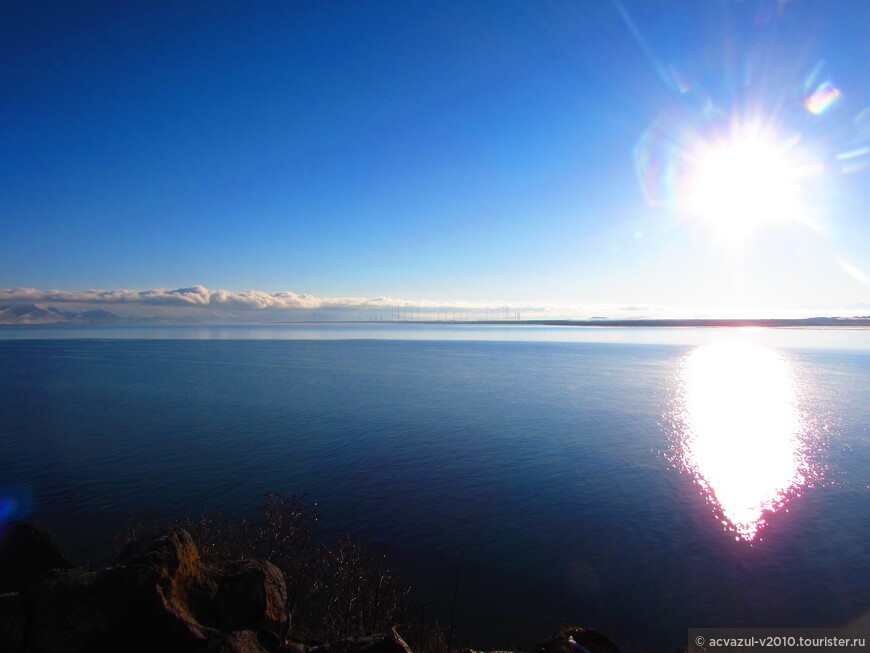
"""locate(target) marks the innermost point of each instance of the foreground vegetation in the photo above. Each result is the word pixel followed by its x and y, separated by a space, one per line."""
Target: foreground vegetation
pixel 333 591
pixel 252 585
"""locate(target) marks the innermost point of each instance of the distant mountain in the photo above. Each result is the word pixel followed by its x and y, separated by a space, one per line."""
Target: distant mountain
pixel 95 316
pixel 39 314
pixel 32 314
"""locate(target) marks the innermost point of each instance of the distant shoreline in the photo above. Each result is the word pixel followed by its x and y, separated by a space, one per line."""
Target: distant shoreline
pixel 793 323
pixel 705 322
pixel 812 322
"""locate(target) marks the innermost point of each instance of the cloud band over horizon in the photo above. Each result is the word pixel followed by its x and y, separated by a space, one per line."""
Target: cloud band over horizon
pixel 199 296
pixel 193 296
pixel 173 300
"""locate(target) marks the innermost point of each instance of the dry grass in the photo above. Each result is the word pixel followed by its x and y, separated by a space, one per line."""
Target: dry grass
pixel 332 591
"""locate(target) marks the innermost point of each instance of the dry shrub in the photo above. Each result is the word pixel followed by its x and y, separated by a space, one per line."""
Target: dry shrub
pixel 332 592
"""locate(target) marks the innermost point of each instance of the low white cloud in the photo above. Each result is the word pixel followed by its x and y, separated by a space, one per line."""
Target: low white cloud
pixel 200 304
pixel 191 297
pixel 258 300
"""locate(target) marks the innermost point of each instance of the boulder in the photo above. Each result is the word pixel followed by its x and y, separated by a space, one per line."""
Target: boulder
pixel 26 552
pixel 390 643
pixel 241 641
pixel 158 596
pixel 577 640
pixel 12 622
pixel 251 594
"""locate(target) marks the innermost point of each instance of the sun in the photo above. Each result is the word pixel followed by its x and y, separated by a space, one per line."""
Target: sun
pixel 744 183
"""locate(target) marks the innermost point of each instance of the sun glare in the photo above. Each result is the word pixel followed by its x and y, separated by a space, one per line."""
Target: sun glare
pixel 741 433
pixel 735 179
pixel 743 184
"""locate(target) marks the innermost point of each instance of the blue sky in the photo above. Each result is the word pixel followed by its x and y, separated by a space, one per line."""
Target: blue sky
pixel 438 153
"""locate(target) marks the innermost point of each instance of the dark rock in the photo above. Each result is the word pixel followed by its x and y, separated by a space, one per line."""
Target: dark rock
pixel 237 595
pixel 173 551
pixel 391 643
pixel 250 594
pixel 241 641
pixel 120 608
pixel 295 647
pixel 27 552
pixel 12 622
pixel 577 640
pixel 159 596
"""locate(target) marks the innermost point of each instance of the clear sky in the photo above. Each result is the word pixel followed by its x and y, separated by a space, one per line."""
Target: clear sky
pixel 566 158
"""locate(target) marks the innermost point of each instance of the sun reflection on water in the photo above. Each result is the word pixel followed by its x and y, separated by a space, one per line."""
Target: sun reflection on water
pixel 741 433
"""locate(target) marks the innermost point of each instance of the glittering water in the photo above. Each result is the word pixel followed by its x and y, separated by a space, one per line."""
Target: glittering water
pixel 741 431
pixel 637 481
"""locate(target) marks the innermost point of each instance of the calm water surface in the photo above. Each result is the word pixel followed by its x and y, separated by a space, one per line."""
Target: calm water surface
pixel 639 481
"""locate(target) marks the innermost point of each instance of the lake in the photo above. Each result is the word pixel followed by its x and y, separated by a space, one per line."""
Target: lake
pixel 637 481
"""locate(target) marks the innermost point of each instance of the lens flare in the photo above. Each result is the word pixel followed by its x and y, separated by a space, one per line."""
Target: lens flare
pixel 855 160
pixel 16 502
pixel 822 99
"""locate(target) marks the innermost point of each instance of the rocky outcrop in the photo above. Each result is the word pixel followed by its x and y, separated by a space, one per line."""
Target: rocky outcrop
pixel 27 552
pixel 577 640
pixel 158 596
pixel 390 643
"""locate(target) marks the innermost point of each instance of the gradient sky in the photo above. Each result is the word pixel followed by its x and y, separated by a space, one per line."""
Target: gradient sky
pixel 480 152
